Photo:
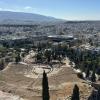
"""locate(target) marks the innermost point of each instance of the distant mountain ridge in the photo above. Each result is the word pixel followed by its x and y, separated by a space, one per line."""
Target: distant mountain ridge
pixel 21 17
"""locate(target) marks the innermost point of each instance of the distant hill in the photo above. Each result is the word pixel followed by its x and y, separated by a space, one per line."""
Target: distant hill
pixel 21 17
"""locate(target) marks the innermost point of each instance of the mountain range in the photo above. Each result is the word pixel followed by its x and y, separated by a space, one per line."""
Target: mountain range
pixel 7 17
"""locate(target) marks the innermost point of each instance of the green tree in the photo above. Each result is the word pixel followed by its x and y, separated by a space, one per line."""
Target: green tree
pixel 39 47
pixel 45 87
pixel 87 72
pixel 93 96
pixel 75 95
pixel 48 55
pixel 17 58
pixel 1 64
pixel 39 57
pixel 98 94
pixel 93 76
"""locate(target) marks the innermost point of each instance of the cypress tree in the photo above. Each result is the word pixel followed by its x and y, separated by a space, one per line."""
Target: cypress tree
pixel 98 94
pixel 1 64
pixel 45 87
pixel 88 72
pixel 93 77
pixel 75 95
pixel 93 96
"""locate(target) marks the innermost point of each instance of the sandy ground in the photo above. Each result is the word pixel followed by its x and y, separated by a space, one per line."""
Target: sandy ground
pixel 9 96
pixel 20 79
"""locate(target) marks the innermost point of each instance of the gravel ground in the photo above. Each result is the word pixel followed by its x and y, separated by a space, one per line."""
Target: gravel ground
pixel 8 96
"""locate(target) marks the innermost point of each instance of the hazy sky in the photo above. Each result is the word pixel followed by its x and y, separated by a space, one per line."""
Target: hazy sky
pixel 65 9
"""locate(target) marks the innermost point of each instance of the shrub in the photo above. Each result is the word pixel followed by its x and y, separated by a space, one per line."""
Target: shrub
pixel 80 75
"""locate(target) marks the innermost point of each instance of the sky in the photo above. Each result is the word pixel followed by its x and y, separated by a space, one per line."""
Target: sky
pixel 63 9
